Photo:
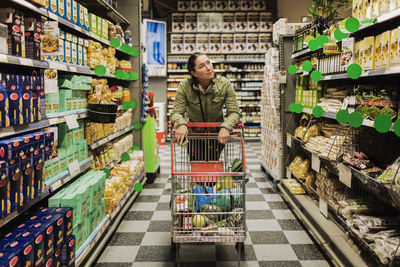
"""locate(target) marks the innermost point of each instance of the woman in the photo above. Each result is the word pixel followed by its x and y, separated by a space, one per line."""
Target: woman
pixel 201 98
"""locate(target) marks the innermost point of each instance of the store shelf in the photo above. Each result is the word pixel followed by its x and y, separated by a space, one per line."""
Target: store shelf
pixel 111 12
pixel 246 61
pixel 369 73
pixel 172 89
pixel 302 53
pixel 249 105
pixel 64 177
pixel 55 119
pixel 249 89
pixel 218 70
pixel 366 122
pixel 20 61
pixel 113 164
pixel 99 238
pixel 251 113
pixel 249 97
pixel 246 80
pixel 381 21
pixel 111 137
pixel 50 186
pixel 221 53
pixel 329 236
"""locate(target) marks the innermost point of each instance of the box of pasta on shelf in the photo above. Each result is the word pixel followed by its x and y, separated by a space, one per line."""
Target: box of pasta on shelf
pixel 252 42
pixel 234 5
pixel 203 22
pixel 209 5
pixel 177 45
pixel 241 22
pixel 259 5
pixel 228 20
pixel 202 43
pixel 265 40
pixel 216 22
pixel 190 43
pixel 394 47
pixel 246 4
pixel 228 44
pixel 183 5
pixel 221 5
pixel 178 22
pixel 253 21
pixel 190 22
pixel 215 45
pixel 240 42
pixel 266 21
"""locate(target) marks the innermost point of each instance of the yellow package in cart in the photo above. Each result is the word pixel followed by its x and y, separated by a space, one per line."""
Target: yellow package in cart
pixel 385 54
pixel 369 53
pixel 394 47
pixel 378 51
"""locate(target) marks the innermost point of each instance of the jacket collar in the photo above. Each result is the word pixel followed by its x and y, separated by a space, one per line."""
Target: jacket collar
pixel 214 86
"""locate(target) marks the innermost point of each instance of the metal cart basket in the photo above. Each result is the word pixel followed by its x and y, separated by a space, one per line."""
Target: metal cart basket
pixel 208 188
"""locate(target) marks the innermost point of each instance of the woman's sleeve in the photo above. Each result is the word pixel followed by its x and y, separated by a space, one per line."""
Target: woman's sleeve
pixel 179 110
pixel 232 109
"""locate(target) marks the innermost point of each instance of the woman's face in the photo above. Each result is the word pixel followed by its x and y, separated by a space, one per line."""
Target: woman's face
pixel 204 69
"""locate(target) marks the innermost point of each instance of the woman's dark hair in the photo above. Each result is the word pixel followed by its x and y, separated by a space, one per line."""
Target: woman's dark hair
pixel 191 63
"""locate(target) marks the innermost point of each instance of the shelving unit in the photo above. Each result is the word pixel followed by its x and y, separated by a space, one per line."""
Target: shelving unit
pixel 332 231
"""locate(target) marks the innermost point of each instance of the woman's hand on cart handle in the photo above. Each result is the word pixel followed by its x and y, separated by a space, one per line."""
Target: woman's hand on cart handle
pixel 180 133
pixel 210 124
pixel 223 136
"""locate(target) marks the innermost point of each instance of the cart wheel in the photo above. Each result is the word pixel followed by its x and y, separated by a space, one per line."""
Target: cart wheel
pixel 240 248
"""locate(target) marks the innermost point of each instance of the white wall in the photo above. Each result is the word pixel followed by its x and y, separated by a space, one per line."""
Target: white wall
pixel 293 9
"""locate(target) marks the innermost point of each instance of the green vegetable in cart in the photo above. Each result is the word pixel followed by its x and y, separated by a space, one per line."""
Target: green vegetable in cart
pixel 221 223
pixel 389 112
pixel 199 220
pixel 210 208
pixel 237 165
pixel 374 112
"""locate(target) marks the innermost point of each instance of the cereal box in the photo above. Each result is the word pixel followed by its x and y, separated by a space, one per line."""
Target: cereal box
pixel 253 21
pixel 203 22
pixel 252 42
pixel 216 23
pixel 190 22
pixel 227 43
pixel 241 22
pixel 234 5
pixel 369 53
pixel 246 4
pixel 240 42
pixel 266 19
pixel 378 51
pixel 394 47
pixel 190 43
pixel 178 22
pixel 177 45
pixel 361 48
pixel 385 52
pixel 202 43
pixel 208 5
pixel 221 5
pixel 228 21
pixel 183 5
pixel 196 5
pixel 215 45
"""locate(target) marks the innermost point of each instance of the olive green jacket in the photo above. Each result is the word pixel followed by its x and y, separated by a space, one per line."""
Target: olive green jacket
pixel 187 105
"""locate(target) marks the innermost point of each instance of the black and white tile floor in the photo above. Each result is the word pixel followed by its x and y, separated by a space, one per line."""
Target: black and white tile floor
pixel 275 237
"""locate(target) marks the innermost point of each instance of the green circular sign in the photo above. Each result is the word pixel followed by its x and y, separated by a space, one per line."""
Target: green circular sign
pixel 299 108
pixel 316 75
pixel 354 71
pixel 343 116
pixel 135 147
pixel 339 35
pixel 137 125
pixel 125 76
pixel 118 74
pixel 383 123
pixel 125 156
pixel 125 48
pixel 292 69
pixel 133 103
pixel 138 187
pixel 307 66
pixel 134 76
pixel 115 42
pixel 322 39
pixel 100 70
pixel 134 52
pixel 126 105
pixel 313 45
pixel 308 39
pixel 356 119
pixel 352 24
pixel 292 107
pixel 318 112
pixel 107 172
pixel 396 127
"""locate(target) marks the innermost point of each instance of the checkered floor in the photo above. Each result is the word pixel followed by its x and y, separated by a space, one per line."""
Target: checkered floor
pixel 275 237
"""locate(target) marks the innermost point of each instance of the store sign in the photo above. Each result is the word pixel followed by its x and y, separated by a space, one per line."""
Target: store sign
pixel 156 47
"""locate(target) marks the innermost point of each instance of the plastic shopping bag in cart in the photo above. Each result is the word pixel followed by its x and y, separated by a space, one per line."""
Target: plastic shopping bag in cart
pixel 204 195
pixel 228 198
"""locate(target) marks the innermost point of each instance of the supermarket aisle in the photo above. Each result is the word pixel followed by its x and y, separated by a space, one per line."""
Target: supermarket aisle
pixel 275 237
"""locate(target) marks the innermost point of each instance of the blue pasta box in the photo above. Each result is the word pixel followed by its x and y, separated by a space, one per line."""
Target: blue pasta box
pixel 36 106
pixel 25 248
pixel 26 82
pixel 27 105
pixel 27 180
pixel 38 176
pixel 49 262
pixel 48 233
pixel 28 143
pixel 9 82
pixel 11 150
pixel 67 214
pixel 4 200
pixel 81 11
pixel 9 259
pixel 68 252
pixel 75 14
pixel 58 225
pixel 48 142
pixel 38 242
pixel 68 10
pixel 15 108
pixel 39 143
pixel 4 105
pixel 57 257
pixel 37 84
pixel 14 172
pixel 53 6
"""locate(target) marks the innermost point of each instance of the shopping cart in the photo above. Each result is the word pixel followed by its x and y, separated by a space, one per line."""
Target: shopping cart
pixel 208 189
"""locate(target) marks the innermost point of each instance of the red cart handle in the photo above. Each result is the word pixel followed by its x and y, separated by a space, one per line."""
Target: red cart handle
pixel 208 124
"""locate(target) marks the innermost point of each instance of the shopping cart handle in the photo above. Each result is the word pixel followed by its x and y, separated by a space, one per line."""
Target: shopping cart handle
pixel 208 124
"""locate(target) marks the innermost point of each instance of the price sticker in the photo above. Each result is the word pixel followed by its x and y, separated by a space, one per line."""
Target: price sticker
pixel 323 207
pixel 54 121
pixel 3 58
pixel 55 186
pixel 368 123
pixel 73 68
pixel 76 27
pixel 26 61
pixel 7 131
pixel 71 121
pixel 289 140
pixel 288 173
pixel 352 101
pixel 53 16
pixel 315 163
pixel 74 169
pixel 345 175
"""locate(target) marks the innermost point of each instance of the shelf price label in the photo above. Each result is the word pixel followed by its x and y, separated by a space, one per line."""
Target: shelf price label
pixel 345 175
pixel 289 140
pixel 26 61
pixel 323 207
pixel 74 169
pixel 315 163
pixel 71 121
